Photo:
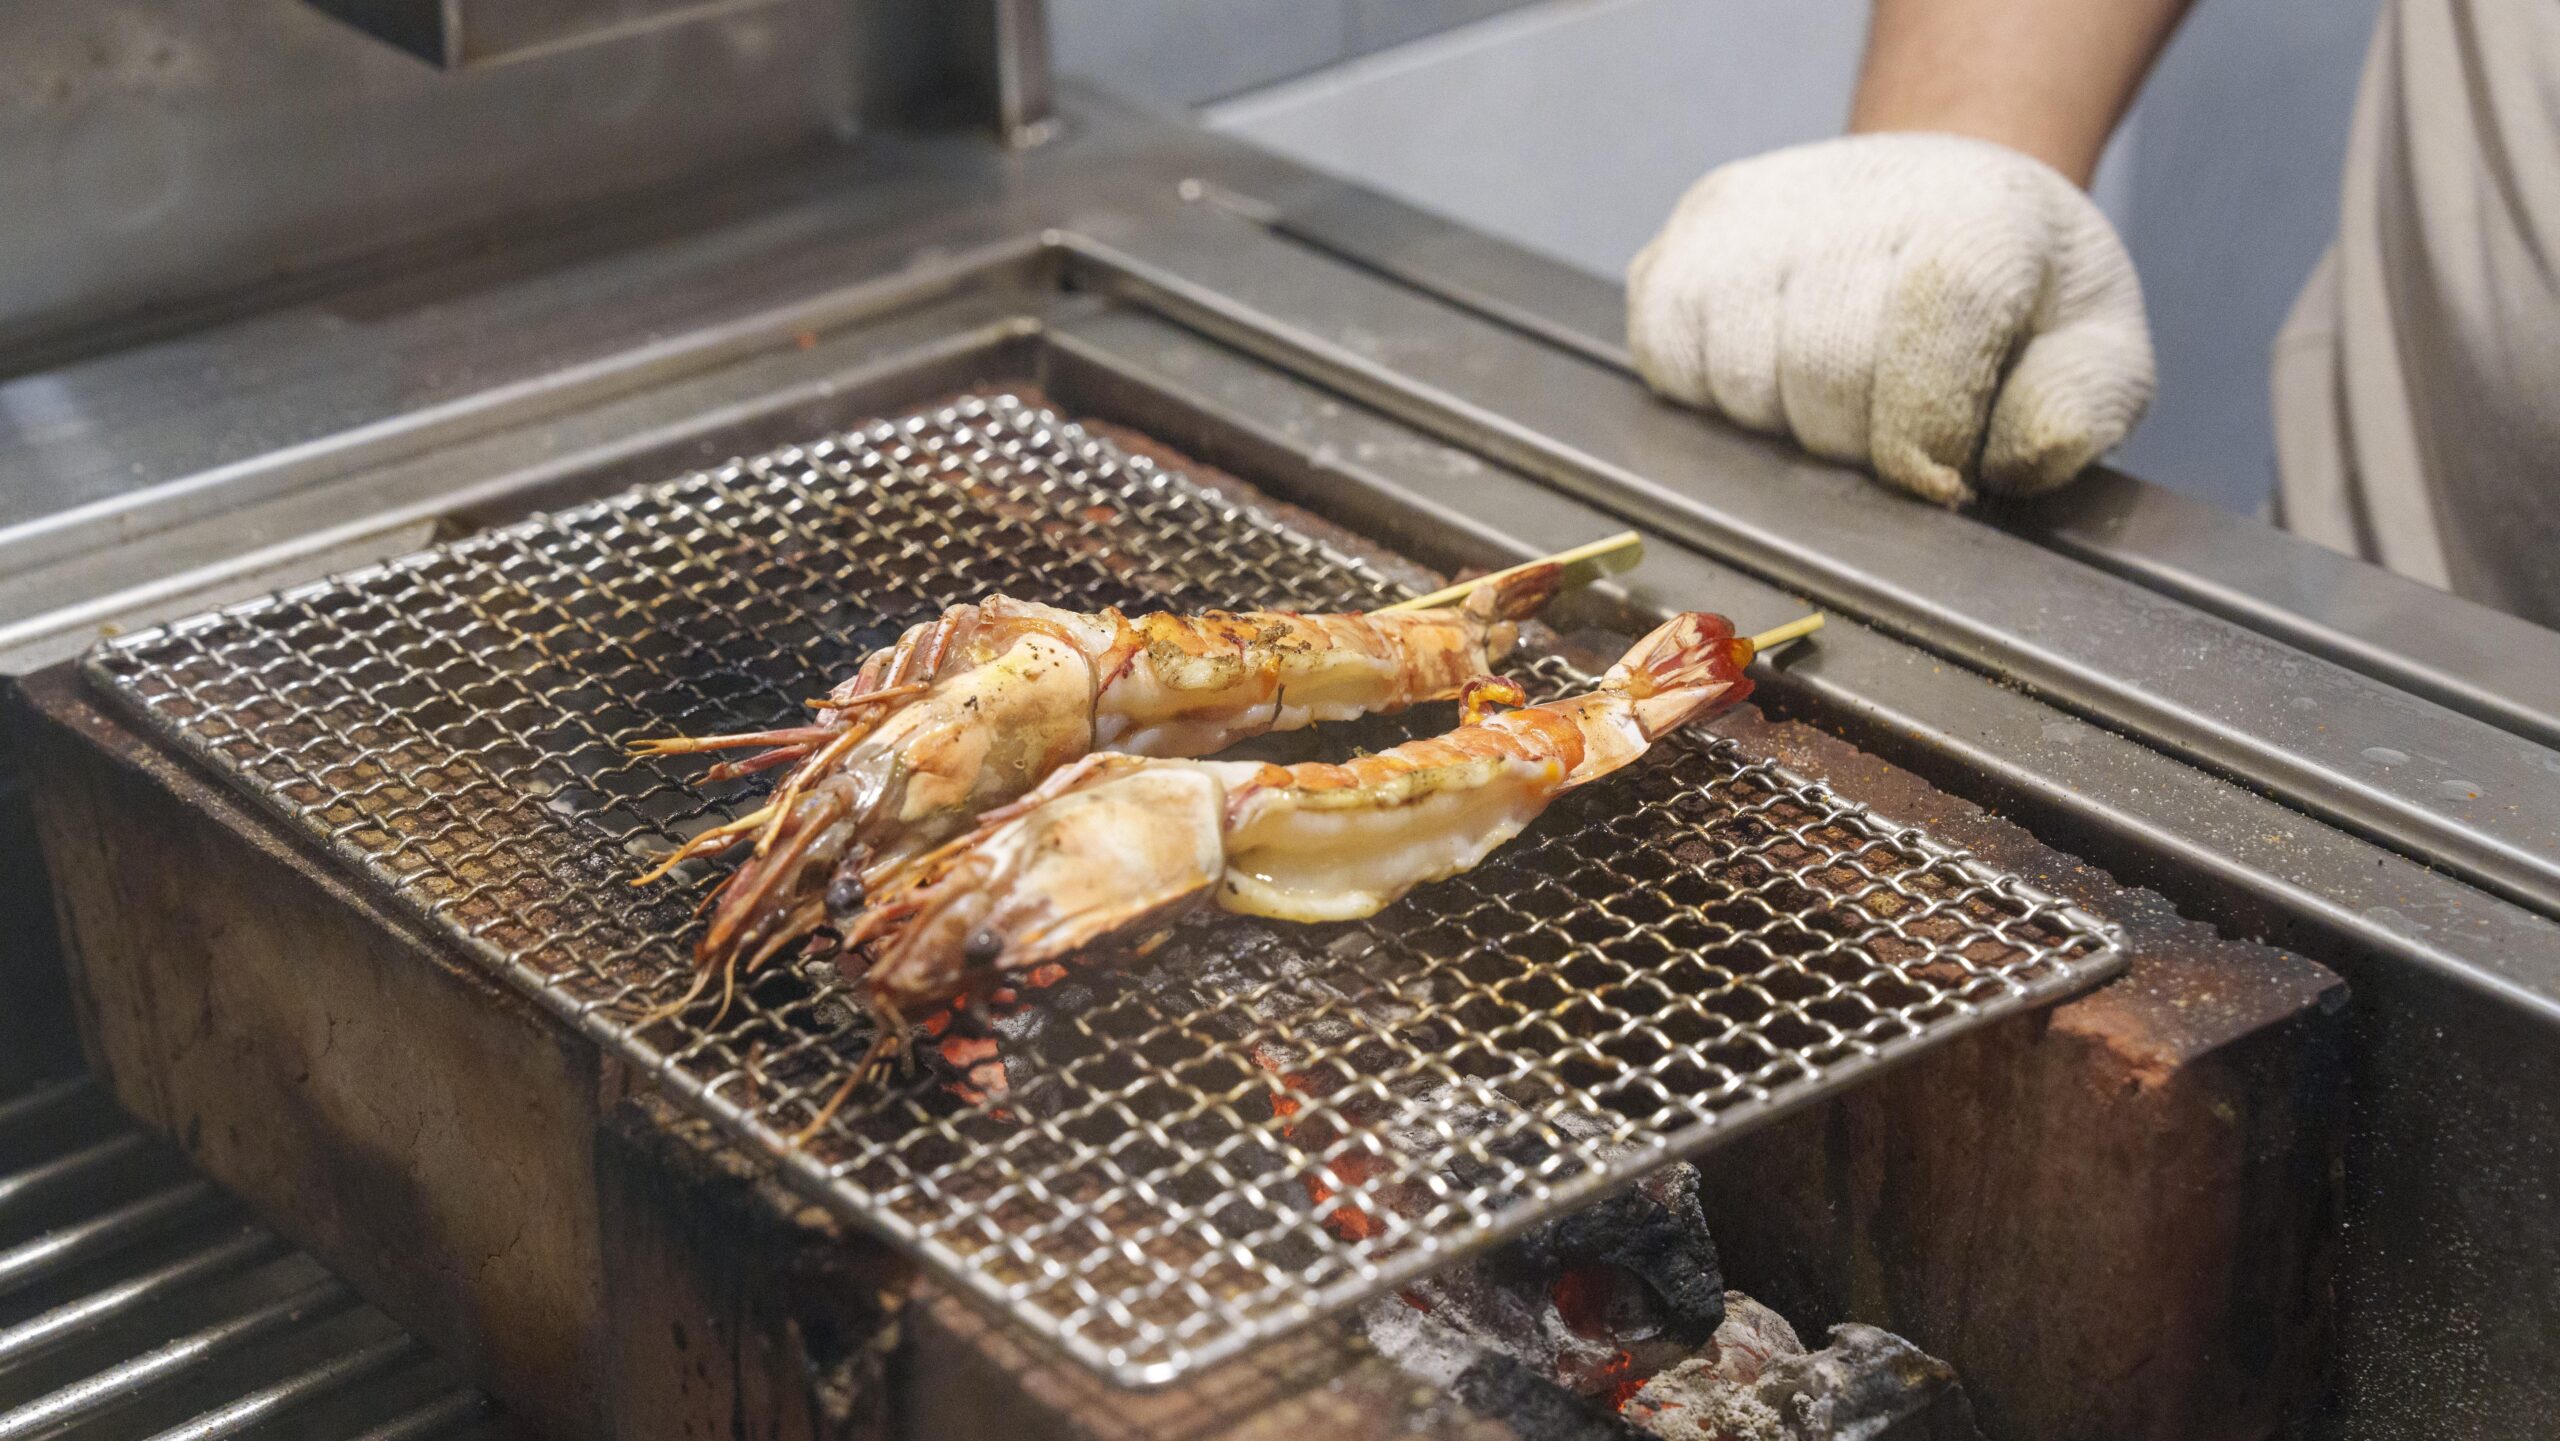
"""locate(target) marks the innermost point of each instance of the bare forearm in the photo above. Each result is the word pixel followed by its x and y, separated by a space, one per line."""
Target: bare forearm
pixel 2047 77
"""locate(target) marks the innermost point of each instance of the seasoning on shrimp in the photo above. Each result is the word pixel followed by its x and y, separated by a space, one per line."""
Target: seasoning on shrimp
pixel 1116 842
pixel 974 709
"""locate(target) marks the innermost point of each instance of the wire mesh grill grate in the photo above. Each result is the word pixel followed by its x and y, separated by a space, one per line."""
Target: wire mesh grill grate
pixel 1159 1159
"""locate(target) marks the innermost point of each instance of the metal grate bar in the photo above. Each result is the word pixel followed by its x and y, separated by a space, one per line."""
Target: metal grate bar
pixel 445 1413
pixel 58 1251
pixel 130 1381
pixel 108 1304
pixel 1252 1126
pixel 86 1162
pixel 301 1388
pixel 179 1312
pixel 22 1110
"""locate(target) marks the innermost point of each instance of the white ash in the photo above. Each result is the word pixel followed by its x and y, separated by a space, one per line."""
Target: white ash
pixel 1757 1383
pixel 1709 1397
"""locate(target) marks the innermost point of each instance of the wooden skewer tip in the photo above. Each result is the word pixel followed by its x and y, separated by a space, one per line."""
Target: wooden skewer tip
pixel 1769 640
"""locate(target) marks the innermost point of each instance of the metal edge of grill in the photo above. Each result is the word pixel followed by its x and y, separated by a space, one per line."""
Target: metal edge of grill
pixel 2090 951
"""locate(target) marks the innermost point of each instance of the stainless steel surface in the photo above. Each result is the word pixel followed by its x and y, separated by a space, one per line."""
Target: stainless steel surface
pixel 184 1319
pixel 42 1103
pixel 78 1165
pixel 397 505
pixel 1023 102
pixel 1740 940
pixel 911 217
pixel 441 1416
pixel 458 33
pixel 2467 657
pixel 980 63
pixel 1539 297
pixel 160 152
pixel 72 1319
pixel 100 465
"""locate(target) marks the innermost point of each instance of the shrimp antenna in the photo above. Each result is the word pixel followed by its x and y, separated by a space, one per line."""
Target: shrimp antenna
pixel 890 1040
pixel 700 980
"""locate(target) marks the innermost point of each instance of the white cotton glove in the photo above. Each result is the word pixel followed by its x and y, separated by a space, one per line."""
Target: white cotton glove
pixel 1944 310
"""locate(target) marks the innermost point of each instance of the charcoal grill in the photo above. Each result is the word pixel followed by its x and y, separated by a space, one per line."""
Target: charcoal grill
pixel 340 871
pixel 1659 964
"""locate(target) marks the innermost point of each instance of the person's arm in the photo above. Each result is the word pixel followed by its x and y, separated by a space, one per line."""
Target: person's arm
pixel 1933 296
pixel 2047 78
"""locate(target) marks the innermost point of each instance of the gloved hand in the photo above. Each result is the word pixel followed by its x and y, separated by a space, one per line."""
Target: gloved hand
pixel 1947 311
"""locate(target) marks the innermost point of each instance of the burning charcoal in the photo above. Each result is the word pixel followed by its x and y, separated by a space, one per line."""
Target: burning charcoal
pixel 995 1052
pixel 1531 1407
pixel 1589 1306
pixel 1751 1337
pixel 1756 1383
pixel 1656 1232
pixel 1710 1396
pixel 1867 1385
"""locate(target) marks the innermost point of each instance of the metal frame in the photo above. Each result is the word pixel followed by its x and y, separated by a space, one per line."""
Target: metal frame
pixel 457 34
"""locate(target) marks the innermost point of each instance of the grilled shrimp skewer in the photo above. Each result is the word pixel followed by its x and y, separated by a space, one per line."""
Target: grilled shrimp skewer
pixel 972 710
pixel 1116 842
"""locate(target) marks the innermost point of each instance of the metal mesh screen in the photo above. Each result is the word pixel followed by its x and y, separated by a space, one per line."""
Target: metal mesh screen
pixel 1157 1159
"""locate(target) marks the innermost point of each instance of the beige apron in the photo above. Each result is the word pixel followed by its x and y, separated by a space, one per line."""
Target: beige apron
pixel 2416 384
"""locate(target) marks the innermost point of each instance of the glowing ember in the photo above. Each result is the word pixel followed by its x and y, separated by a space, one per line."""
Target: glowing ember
pixel 1587 1297
pixel 1349 1172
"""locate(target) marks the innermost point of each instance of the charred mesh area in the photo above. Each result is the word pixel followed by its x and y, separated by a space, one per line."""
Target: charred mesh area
pixel 1154 1160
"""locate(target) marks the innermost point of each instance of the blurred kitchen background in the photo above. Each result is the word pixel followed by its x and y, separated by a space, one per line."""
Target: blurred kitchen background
pixel 1570 126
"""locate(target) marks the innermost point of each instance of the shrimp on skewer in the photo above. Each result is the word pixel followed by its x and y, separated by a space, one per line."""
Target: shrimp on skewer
pixel 1116 841
pixel 974 709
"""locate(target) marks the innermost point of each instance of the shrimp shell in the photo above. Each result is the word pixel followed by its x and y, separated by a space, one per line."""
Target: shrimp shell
pixel 1116 842
pixel 973 709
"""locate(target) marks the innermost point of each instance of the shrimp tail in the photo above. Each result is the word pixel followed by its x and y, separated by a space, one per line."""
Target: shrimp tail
pixel 1689 664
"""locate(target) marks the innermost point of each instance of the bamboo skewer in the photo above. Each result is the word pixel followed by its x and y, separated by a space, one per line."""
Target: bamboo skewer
pixel 1794 630
pixel 1582 565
